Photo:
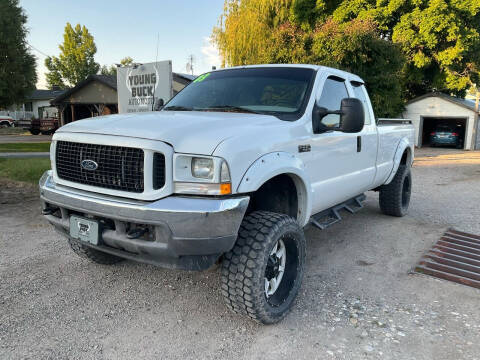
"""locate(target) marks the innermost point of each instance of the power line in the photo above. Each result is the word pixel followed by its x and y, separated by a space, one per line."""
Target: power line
pixel 34 48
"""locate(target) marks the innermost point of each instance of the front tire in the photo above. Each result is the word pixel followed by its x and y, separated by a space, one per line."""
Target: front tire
pixel 93 255
pixel 262 274
pixel 395 197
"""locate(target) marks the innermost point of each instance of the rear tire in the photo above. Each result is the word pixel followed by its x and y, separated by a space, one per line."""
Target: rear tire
pixel 35 132
pixel 93 255
pixel 395 197
pixel 262 274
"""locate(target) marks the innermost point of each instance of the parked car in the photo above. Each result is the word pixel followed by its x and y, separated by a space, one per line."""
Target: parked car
pixel 45 126
pixel 231 169
pixel 445 135
pixel 6 121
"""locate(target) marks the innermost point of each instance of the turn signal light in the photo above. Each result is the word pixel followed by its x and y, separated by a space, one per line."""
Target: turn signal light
pixel 225 189
pixel 433 133
pixel 454 134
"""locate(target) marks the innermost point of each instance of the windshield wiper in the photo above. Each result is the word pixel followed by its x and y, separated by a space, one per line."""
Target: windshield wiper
pixel 231 108
pixel 177 108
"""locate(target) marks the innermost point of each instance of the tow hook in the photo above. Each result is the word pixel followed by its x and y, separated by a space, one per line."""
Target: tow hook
pixel 136 233
pixel 49 210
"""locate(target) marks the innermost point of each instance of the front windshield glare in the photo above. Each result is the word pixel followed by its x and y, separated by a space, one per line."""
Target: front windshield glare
pixel 279 91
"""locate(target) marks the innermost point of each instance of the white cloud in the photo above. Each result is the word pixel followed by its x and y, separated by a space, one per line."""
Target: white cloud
pixel 211 56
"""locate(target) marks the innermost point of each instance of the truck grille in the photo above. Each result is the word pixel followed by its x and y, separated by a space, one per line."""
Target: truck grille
pixel 111 167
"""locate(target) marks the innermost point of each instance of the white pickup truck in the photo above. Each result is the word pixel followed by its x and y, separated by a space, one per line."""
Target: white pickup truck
pixel 230 170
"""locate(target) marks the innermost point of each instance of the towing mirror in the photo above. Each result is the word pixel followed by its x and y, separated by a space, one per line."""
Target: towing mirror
pixel 352 117
pixel 158 105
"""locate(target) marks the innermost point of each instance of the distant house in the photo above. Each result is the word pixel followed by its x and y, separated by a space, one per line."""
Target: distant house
pixel 37 105
pixel 97 95
pixel 38 102
pixel 431 110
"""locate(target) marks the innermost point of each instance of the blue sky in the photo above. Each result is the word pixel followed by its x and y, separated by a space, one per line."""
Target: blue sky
pixel 128 29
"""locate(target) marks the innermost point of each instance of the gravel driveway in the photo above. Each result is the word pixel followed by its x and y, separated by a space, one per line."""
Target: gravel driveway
pixel 358 300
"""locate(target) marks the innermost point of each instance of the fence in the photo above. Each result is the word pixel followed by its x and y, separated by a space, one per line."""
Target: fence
pixel 18 115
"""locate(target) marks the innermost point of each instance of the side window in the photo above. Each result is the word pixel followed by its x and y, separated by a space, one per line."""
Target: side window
pixel 334 90
pixel 360 93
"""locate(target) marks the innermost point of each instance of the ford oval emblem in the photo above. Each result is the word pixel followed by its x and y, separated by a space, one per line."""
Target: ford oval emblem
pixel 89 165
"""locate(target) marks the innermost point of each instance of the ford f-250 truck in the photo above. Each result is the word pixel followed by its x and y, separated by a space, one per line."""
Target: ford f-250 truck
pixel 231 170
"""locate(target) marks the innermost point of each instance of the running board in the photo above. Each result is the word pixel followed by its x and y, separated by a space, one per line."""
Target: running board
pixel 327 218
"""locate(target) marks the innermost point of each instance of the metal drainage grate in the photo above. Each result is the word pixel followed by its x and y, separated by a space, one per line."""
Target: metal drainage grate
pixel 455 257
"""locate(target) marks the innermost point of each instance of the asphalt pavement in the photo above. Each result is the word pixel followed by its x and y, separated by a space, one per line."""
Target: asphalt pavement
pixel 23 155
pixel 5 139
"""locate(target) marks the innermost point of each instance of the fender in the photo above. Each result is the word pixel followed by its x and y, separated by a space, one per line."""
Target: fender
pixel 277 163
pixel 402 146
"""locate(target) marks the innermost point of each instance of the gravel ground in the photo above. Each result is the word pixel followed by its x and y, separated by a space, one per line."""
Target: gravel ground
pixel 358 300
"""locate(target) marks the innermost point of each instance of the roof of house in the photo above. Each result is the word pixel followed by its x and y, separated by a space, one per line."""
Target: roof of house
pixel 466 103
pixel 43 94
pixel 108 80
pixel 186 76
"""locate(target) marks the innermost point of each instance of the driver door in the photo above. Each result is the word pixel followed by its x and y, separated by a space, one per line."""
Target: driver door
pixel 335 162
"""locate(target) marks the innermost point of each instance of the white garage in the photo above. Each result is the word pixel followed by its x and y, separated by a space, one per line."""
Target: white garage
pixel 433 110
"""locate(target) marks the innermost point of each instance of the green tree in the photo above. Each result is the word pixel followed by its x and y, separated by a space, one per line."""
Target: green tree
pixel 17 65
pixel 245 29
pixel 438 39
pixel 112 69
pixel 294 37
pixel 76 60
pixel 354 46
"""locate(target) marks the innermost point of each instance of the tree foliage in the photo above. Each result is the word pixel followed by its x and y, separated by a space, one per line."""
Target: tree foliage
pixel 440 39
pixel 112 69
pixel 416 45
pixel 76 60
pixel 17 65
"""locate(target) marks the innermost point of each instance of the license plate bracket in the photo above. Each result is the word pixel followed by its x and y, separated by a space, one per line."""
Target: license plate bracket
pixel 85 230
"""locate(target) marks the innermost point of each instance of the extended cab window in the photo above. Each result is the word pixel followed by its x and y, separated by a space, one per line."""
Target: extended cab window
pixel 334 90
pixel 279 91
pixel 361 94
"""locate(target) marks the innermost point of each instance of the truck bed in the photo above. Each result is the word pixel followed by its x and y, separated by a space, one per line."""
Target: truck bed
pixel 390 133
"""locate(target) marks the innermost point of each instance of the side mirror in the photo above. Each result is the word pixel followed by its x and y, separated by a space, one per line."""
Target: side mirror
pixel 318 113
pixel 352 116
pixel 158 105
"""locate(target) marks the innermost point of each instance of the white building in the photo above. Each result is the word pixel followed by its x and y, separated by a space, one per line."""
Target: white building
pixel 433 109
pixel 38 102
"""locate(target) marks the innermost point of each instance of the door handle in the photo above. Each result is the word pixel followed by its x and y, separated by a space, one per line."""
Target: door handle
pixel 359 143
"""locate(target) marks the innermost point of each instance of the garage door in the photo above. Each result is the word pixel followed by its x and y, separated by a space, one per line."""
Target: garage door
pixel 435 131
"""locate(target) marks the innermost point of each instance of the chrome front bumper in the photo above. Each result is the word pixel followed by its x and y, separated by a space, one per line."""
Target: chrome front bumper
pixel 189 232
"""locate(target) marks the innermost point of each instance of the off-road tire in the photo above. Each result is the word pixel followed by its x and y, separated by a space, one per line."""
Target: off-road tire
pixel 93 255
pixel 395 197
pixel 243 268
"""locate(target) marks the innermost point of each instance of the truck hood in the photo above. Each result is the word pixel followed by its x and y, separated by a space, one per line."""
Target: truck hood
pixel 195 132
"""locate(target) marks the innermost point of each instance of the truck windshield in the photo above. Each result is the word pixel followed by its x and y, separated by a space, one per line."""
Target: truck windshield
pixel 278 91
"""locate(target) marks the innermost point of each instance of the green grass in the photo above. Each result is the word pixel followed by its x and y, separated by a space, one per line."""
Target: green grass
pixel 25 147
pixel 25 170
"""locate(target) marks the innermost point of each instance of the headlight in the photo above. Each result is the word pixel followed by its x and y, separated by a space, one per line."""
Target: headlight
pixel 202 168
pixel 201 175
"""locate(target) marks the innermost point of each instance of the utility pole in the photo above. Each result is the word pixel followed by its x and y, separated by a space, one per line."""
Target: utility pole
pixel 190 60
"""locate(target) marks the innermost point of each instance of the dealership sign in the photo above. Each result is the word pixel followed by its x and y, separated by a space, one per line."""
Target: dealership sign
pixel 140 86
